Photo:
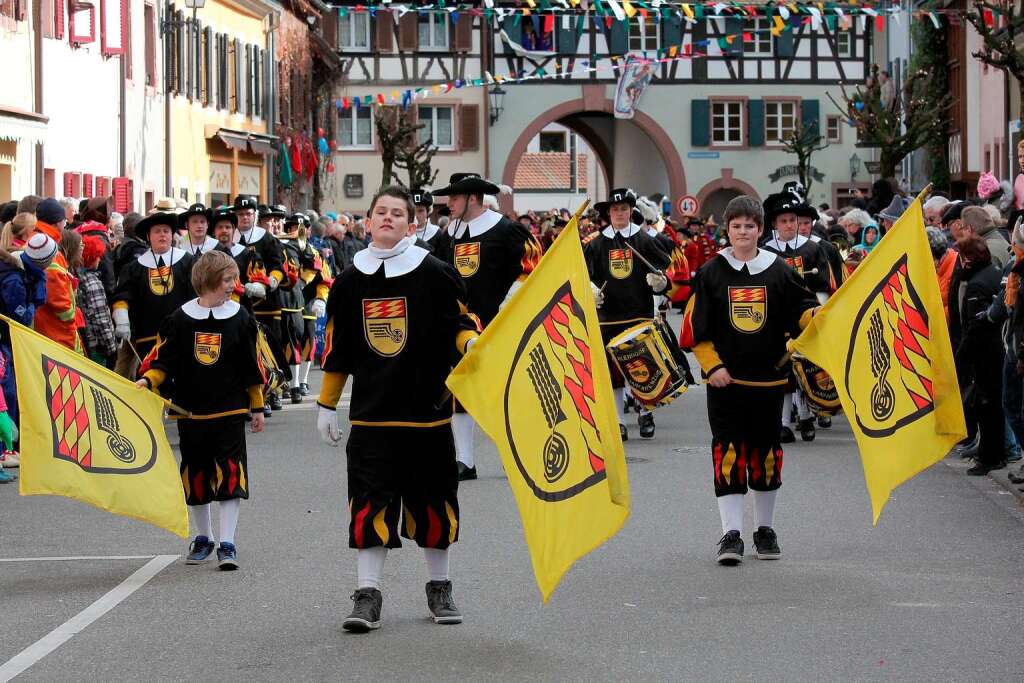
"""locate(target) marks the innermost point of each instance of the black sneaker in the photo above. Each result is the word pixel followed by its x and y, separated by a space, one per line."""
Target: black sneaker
pixel 267 412
pixel 824 421
pixel 730 549
pixel 466 473
pixel 1016 477
pixel 980 469
pixel 786 435
pixel 199 550
pixel 766 544
pixel 275 402
pixel 227 557
pixel 296 394
pixel 807 429
pixel 304 388
pixel 441 603
pixel 623 432
pixel 366 612
pixel 646 422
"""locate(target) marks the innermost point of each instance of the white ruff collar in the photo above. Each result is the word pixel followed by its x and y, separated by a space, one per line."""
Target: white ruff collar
pixel 758 264
pixel 793 244
pixel 237 249
pixel 478 226
pixel 403 258
pixel 148 259
pixel 428 232
pixel 254 236
pixel 197 311
pixel 814 238
pixel 208 245
pixel 629 231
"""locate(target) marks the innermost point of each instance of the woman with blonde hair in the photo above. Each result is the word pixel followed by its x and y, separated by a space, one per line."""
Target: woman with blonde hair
pixel 17 231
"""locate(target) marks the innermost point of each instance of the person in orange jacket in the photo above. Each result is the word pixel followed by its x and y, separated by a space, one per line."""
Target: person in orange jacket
pixel 56 318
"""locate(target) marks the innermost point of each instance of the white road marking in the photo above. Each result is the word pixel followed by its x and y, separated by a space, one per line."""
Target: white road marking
pixel 72 558
pixel 60 635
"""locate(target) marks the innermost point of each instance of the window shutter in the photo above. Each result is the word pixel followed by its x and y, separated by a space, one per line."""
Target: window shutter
pixel 47 18
pixel 237 106
pixel 618 38
pixel 123 195
pixel 671 31
pixel 566 37
pixel 188 49
pixel 222 71
pixel 383 33
pixel 58 18
pixel 180 42
pixel 408 32
pixel 700 123
pixel 200 65
pixel 810 115
pixel 784 44
pixel 463 30
pixel 87 185
pixel 209 58
pixel 126 37
pixel 112 16
pixel 248 80
pixel 103 186
pixel 734 27
pixel 513 27
pixel 755 123
pixel 69 184
pixel 257 82
pixel 469 127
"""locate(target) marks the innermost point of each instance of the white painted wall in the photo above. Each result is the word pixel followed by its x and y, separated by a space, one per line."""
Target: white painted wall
pixel 17 90
pixel 545 201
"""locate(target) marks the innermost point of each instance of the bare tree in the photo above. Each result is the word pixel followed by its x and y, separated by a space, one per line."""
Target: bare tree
pixel 1001 27
pixel 803 142
pixel 415 159
pixel 395 133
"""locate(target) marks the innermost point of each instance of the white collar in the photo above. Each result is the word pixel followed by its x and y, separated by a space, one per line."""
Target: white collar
pixel 254 236
pixel 194 309
pixel 814 238
pixel 237 249
pixel 206 246
pixel 609 232
pixel 652 231
pixel 148 259
pixel 403 258
pixel 478 226
pixel 428 232
pixel 793 244
pixel 758 264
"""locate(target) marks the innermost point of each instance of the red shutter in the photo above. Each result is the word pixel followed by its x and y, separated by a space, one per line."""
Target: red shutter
pixel 58 18
pixel 408 32
pixel 69 184
pixel 469 127
pixel 463 32
pixel 103 186
pixel 112 29
pixel 46 18
pixel 87 185
pixel 123 195
pixel 81 22
pixel 383 24
pixel 126 37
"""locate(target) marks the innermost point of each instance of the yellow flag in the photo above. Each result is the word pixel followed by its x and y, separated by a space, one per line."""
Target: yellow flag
pixel 884 341
pixel 89 434
pixel 537 382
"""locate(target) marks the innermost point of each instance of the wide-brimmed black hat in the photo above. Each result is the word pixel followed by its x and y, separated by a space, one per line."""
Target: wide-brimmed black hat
pixel 777 204
pixel 805 210
pixel 296 219
pixel 221 214
pixel 168 218
pixel 797 188
pixel 467 183
pixel 620 195
pixel 275 211
pixel 422 198
pixel 194 210
pixel 244 201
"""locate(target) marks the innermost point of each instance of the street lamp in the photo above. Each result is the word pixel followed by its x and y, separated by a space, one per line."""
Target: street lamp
pixel 194 5
pixel 854 166
pixel 497 95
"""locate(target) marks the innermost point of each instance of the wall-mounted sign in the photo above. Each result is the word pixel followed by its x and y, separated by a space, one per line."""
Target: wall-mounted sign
pixel 354 185
pixel 873 166
pixel 794 171
pixel 689 206
pixel 703 155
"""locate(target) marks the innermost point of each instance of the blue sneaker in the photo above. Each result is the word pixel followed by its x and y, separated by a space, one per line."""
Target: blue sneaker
pixel 199 550
pixel 6 477
pixel 227 557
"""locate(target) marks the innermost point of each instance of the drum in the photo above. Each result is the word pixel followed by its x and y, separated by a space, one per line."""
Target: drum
pixel 818 387
pixel 644 357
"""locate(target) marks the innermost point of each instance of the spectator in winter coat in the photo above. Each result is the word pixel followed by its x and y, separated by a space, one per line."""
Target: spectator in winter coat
pixel 131 246
pixel 95 218
pixel 17 231
pixel 100 344
pixel 976 221
pixel 56 318
pixel 945 263
pixel 23 279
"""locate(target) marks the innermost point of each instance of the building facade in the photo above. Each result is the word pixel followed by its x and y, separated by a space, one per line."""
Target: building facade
pixel 22 124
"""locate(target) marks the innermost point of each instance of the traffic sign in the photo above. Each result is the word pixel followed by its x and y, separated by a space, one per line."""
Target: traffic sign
pixel 688 206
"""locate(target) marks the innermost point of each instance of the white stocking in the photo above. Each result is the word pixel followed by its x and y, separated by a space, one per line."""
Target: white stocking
pixel 370 566
pixel 464 428
pixel 229 510
pixel 730 508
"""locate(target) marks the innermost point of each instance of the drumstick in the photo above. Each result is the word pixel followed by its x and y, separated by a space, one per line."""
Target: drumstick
pixel 638 255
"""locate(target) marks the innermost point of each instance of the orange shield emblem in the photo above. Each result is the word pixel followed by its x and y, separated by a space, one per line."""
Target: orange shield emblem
pixel 207 348
pixel 467 258
pixel 748 308
pixel 161 280
pixel 620 263
pixel 385 325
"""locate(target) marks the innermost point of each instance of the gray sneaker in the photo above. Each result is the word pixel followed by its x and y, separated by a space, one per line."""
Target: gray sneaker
pixel 366 612
pixel 442 604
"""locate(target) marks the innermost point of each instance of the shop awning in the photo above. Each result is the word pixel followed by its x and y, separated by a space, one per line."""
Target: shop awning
pixel 262 144
pixel 17 125
pixel 235 139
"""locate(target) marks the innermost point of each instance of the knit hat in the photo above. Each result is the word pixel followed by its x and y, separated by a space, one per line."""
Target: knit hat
pixel 937 241
pixel 988 184
pixel 41 249
pixel 50 211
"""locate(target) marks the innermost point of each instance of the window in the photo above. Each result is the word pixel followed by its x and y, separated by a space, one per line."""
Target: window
pixel 643 35
pixel 844 44
pixel 552 142
pixel 356 128
pixel 727 124
pixel 780 119
pixel 354 31
pixel 438 128
pixel 833 129
pixel 149 32
pixel 760 32
pixel 433 31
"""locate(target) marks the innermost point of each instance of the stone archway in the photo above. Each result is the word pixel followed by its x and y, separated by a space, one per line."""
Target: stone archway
pixel 588 103
pixel 718 192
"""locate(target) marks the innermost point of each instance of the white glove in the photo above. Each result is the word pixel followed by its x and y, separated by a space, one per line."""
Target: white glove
pixel 657 281
pixel 255 290
pixel 318 308
pixel 327 425
pixel 122 325
pixel 598 295
pixel 273 283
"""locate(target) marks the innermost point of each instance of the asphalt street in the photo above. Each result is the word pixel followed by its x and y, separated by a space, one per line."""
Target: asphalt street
pixel 934 592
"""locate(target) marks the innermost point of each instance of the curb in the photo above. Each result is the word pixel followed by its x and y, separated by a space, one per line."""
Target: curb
pixel 1002 477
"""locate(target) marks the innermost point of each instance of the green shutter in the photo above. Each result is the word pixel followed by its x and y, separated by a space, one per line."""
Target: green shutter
pixel 513 28
pixel 565 38
pixel 671 31
pixel 734 27
pixel 700 123
pixel 618 38
pixel 810 115
pixel 784 44
pixel 755 123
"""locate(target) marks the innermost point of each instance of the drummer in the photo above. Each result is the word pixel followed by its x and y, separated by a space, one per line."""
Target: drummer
pixel 626 267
